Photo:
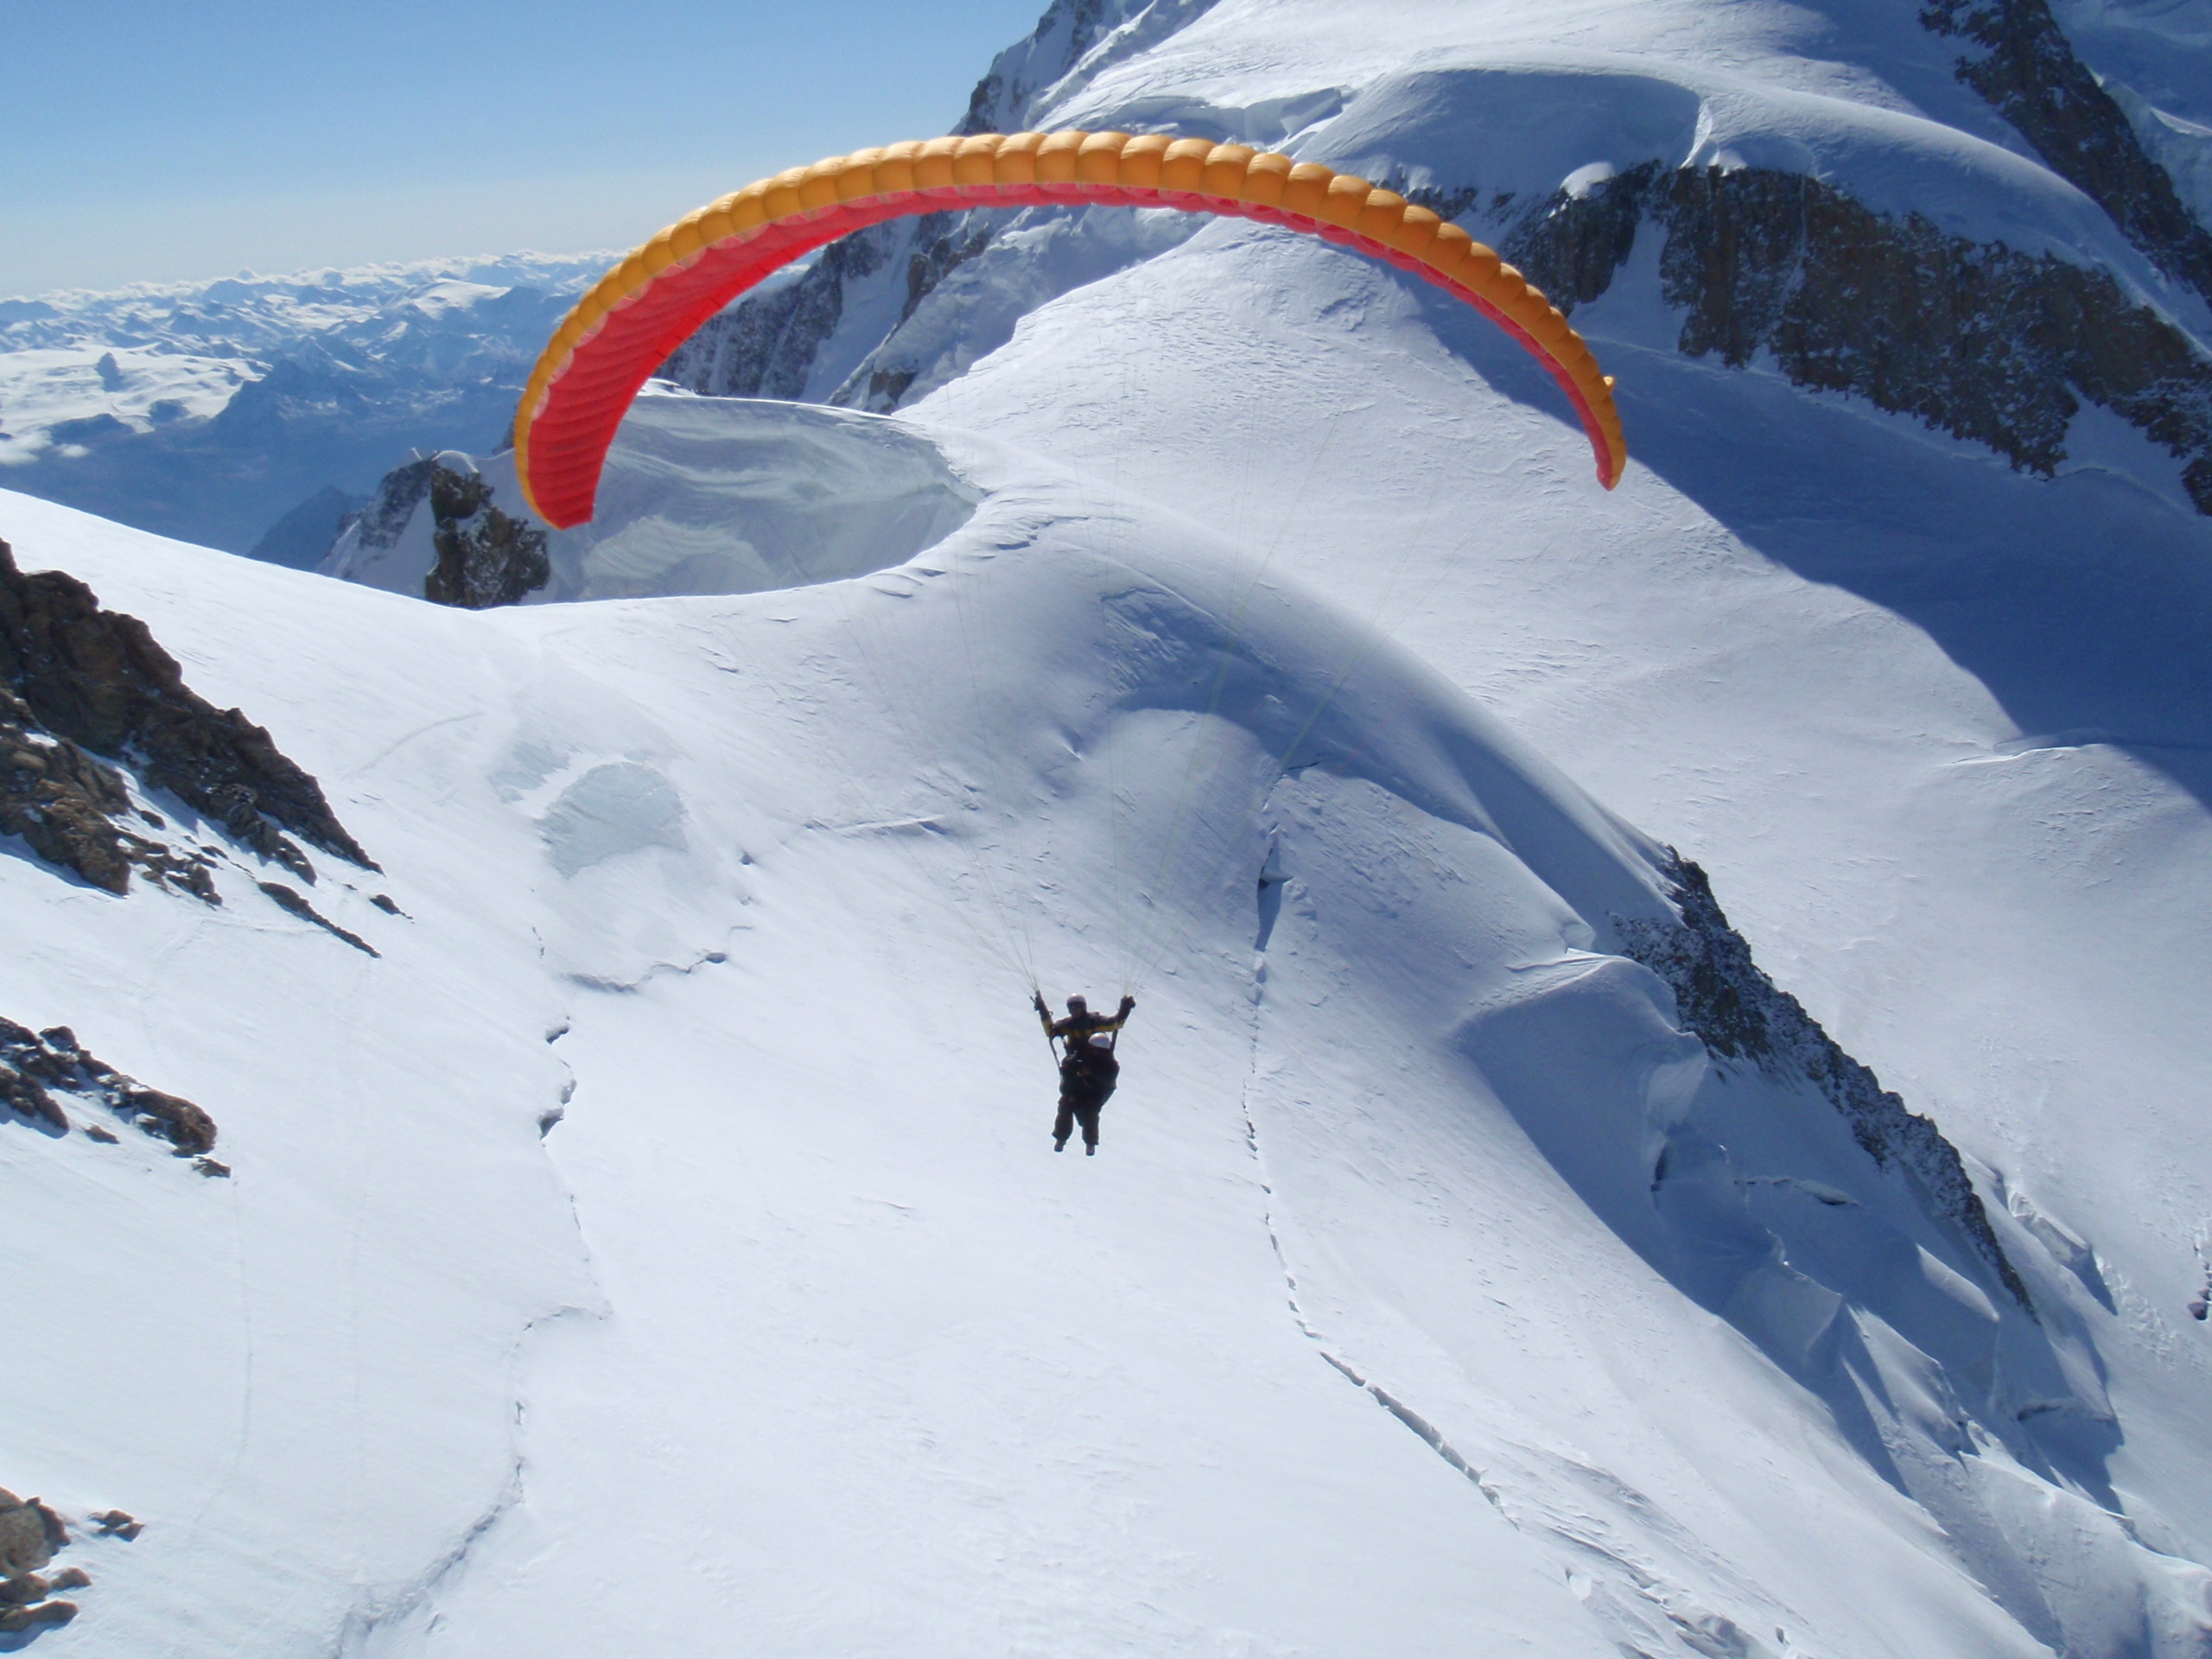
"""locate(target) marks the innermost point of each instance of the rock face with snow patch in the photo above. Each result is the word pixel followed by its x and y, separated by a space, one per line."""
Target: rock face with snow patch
pixel 852 328
pixel 1739 1014
pixel 2029 73
pixel 1988 344
pixel 486 557
pixel 34 1066
pixel 79 682
pixel 30 1535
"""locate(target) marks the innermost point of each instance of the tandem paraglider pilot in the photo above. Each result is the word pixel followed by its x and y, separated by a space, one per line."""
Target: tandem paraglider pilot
pixel 1087 1069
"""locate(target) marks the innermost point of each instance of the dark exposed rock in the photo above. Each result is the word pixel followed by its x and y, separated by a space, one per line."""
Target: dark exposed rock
pixel 23 1596
pixel 300 907
pixel 1974 338
pixel 64 803
pixel 1574 244
pixel 34 1066
pixel 1740 1015
pixel 943 243
pixel 1003 90
pixel 28 1095
pixel 84 679
pixel 17 1620
pixel 2030 75
pixel 401 491
pixel 117 1523
pixel 770 344
pixel 185 1126
pixel 486 557
pixel 383 901
pixel 766 346
pixel 30 1532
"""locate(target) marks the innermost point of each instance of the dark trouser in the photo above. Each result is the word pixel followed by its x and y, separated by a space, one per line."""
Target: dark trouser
pixel 1081 1106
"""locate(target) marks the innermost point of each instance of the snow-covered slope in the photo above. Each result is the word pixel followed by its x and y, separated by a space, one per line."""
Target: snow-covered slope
pixel 659 1249
pixel 212 410
pixel 1435 1289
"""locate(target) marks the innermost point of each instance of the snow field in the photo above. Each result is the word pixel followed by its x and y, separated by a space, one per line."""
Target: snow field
pixel 1362 1328
pixel 1872 680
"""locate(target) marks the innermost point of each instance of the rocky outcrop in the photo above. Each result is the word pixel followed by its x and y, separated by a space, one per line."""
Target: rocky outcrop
pixel 769 345
pixel 486 557
pixel 35 1065
pixel 1073 42
pixel 1974 338
pixel 66 803
pixel 296 902
pixel 478 557
pixel 2028 74
pixel 79 682
pixel 30 1535
pixel 1740 1016
pixel 398 494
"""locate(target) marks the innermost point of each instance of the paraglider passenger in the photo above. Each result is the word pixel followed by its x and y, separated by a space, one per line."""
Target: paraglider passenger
pixel 1088 1068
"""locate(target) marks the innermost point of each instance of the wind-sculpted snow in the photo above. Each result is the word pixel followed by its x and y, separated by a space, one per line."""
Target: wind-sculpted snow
pixel 698 497
pixel 1432 1280
pixel 658 1247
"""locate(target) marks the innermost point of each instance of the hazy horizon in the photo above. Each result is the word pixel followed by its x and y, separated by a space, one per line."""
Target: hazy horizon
pixel 151 145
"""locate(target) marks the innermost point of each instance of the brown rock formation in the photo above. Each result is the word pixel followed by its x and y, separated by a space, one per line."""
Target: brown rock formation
pixel 29 1535
pixel 80 682
pixel 30 1532
pixel 65 803
pixel 34 1065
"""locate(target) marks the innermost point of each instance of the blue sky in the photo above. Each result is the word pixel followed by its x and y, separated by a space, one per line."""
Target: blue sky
pixel 157 140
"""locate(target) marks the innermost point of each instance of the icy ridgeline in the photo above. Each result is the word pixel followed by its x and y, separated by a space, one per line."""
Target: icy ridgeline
pixel 251 414
pixel 666 1223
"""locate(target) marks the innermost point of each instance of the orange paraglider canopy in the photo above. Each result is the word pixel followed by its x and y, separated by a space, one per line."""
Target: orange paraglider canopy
pixel 647 306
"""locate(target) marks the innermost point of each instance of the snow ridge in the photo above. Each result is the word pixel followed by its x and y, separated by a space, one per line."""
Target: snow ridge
pixel 1738 1013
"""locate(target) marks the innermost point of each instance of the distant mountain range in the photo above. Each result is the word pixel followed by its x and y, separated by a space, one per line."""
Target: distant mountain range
pixel 251 414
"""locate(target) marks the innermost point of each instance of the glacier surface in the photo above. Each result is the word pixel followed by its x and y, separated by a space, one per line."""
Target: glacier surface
pixel 660 1248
